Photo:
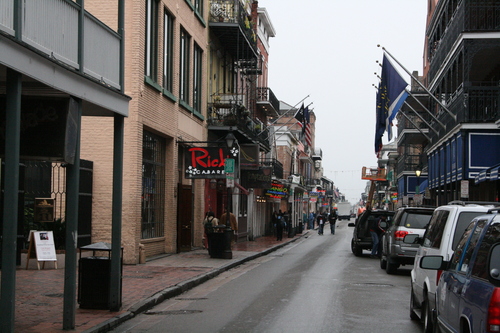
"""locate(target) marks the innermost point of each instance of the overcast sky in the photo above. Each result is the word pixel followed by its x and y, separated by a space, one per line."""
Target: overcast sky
pixel 328 50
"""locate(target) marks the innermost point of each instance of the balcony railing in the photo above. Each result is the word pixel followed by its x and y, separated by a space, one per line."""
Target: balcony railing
pixel 52 28
pixel 276 165
pixel 468 16
pixel 233 24
pixel 475 103
pixel 266 95
pixel 411 163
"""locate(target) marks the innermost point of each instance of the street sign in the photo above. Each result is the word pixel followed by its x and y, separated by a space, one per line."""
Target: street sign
pixel 230 179
pixel 229 165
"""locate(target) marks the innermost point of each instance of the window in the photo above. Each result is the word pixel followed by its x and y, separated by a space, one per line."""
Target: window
pixel 184 66
pixel 198 7
pixel 434 234
pixel 491 238
pixel 151 65
pixel 197 77
pixel 153 186
pixel 168 38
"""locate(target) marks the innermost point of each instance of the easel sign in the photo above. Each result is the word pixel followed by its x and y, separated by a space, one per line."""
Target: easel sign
pixel 41 248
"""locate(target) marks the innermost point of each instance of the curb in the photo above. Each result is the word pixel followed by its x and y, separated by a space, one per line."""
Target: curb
pixel 173 291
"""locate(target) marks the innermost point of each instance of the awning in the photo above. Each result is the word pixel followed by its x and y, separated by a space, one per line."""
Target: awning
pixel 494 173
pixel 481 176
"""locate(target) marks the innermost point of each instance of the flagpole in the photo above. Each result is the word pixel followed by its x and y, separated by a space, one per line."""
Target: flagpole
pixel 420 84
pixel 429 112
pixel 292 108
pixel 289 120
pixel 411 122
pixel 418 101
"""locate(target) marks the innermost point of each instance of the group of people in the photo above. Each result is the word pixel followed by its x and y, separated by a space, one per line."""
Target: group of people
pixel 211 221
pixel 330 217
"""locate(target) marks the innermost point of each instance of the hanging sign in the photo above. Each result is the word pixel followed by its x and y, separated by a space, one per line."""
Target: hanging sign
pixel 207 162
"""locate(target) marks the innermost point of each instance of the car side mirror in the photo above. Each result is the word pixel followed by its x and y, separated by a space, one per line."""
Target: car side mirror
pixel 433 262
pixel 412 239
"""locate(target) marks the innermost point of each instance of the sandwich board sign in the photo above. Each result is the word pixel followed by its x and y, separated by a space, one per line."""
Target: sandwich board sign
pixel 42 248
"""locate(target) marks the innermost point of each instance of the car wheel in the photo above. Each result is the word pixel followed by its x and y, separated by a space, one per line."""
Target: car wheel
pixel 413 306
pixel 355 249
pixel 427 316
pixel 383 262
pixel 391 267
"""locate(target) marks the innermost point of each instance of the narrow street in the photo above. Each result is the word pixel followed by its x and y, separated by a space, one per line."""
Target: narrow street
pixel 313 285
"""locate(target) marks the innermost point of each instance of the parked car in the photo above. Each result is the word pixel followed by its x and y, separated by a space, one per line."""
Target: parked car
pixel 468 292
pixel 407 220
pixel 445 228
pixel 361 238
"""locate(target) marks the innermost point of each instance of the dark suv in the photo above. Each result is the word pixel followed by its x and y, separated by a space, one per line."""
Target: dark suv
pixel 468 292
pixel 408 220
pixel 361 238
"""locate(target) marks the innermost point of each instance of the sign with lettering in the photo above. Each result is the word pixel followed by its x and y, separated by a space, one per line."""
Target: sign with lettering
pixel 277 191
pixel 261 178
pixel 207 162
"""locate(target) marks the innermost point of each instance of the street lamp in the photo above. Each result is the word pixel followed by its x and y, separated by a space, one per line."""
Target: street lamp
pixel 417 187
pixel 228 232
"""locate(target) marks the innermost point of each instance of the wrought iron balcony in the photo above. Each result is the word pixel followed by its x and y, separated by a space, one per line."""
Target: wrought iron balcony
pixel 474 102
pixel 56 34
pixel 458 17
pixel 410 163
pixel 267 101
pixel 232 24
pixel 276 165
pixel 230 111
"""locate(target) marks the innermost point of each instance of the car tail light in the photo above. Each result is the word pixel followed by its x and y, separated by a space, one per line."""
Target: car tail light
pixel 400 235
pixel 494 312
pixel 438 276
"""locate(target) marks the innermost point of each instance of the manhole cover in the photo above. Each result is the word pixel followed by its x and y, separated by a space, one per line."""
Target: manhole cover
pixel 173 312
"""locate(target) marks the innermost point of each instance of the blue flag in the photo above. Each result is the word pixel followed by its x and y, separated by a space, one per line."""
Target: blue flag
pixel 391 95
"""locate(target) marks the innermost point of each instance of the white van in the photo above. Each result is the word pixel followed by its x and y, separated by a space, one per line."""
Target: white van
pixel 445 229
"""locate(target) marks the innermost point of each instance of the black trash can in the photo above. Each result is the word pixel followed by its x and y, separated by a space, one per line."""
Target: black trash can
pixel 94 275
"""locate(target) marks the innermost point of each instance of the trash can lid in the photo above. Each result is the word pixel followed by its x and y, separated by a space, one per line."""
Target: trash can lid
pixel 100 246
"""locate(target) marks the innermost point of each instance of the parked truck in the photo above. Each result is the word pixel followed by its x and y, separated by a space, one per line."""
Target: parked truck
pixel 344 210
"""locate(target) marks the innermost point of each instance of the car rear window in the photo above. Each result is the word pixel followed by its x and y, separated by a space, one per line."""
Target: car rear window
pixel 463 221
pixel 415 221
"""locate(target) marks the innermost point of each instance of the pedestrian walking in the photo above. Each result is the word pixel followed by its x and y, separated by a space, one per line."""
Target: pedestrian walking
pixel 279 226
pixel 232 223
pixel 332 218
pixel 376 231
pixel 209 223
pixel 321 223
pixel 310 224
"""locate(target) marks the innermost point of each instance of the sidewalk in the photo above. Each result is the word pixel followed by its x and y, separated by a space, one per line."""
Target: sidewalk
pixel 39 293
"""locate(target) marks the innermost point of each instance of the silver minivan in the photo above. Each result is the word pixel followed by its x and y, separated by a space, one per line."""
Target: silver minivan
pixel 445 229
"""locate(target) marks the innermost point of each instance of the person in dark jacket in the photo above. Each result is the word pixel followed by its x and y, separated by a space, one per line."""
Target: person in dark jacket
pixel 279 226
pixel 376 231
pixel 332 218
pixel 321 219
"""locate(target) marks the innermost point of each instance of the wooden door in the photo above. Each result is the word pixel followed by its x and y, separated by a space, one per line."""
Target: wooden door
pixel 184 217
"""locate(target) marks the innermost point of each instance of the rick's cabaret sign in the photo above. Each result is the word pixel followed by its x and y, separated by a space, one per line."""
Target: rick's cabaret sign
pixel 207 162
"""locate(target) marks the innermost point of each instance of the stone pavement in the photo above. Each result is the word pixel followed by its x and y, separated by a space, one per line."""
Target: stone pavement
pixel 39 293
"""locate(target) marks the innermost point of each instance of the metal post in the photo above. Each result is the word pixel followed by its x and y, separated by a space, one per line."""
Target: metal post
pixel 228 232
pixel 116 223
pixel 70 263
pixel 10 201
